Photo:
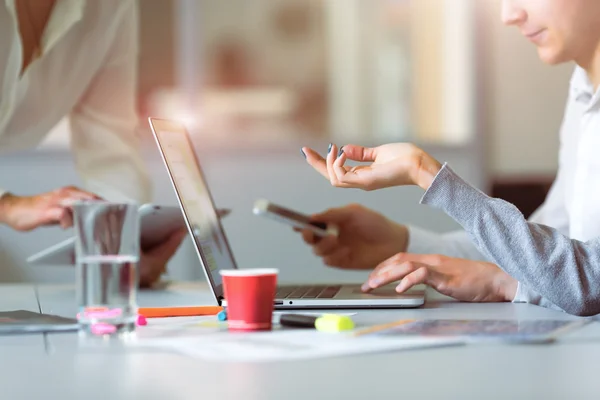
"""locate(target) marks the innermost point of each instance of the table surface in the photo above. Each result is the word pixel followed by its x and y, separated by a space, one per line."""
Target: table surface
pixel 63 366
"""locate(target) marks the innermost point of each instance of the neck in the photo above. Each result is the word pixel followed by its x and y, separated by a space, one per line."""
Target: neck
pixel 592 67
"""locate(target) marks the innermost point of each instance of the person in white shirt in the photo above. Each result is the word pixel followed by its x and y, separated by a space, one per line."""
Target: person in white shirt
pixel 75 59
pixel 563 31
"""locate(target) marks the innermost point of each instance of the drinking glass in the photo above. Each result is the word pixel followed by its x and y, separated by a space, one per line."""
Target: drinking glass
pixel 107 253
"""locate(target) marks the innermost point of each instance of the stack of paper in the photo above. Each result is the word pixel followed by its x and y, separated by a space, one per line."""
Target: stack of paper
pixel 286 344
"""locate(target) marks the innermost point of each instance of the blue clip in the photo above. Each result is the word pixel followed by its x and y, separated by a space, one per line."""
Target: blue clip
pixel 222 315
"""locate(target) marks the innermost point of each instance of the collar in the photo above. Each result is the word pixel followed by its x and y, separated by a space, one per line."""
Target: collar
pixel 582 88
pixel 65 14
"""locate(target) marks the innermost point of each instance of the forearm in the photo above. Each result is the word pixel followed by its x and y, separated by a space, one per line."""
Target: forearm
pixel 452 244
pixel 562 270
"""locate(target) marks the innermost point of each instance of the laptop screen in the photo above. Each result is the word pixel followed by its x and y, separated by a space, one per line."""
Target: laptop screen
pixel 195 199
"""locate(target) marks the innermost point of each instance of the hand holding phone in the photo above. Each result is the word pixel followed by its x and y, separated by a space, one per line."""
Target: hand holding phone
pixel 301 221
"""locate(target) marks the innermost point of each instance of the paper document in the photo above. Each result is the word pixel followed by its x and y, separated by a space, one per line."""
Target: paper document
pixel 285 344
pixel 515 331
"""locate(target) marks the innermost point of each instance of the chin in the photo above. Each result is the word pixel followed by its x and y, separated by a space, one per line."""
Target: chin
pixel 551 56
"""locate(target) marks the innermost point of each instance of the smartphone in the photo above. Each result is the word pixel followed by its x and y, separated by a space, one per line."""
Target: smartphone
pixel 267 209
pixel 157 223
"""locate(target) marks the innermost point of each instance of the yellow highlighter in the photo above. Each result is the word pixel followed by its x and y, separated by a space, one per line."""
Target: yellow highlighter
pixel 323 323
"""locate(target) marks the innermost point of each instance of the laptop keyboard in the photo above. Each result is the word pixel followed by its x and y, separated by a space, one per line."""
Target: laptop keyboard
pixel 307 292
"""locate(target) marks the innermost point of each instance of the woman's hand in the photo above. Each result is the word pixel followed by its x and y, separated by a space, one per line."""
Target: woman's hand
pixel 26 213
pixel 465 280
pixel 365 238
pixel 395 164
pixel 153 262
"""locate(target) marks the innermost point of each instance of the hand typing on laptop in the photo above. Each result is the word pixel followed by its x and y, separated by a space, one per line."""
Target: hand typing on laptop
pixel 464 280
pixel 369 240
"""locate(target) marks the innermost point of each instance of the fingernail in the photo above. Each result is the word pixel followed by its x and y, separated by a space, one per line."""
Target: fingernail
pixel 365 287
pixel 341 151
pixel 329 148
pixel 302 151
pixel 375 282
pixel 399 288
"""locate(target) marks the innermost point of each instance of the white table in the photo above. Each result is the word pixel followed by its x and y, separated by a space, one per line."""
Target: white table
pixel 66 369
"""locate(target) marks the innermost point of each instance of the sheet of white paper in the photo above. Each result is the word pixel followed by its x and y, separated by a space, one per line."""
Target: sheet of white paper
pixel 279 345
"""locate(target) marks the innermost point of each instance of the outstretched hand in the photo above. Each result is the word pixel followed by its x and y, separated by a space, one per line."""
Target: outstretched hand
pixel 396 164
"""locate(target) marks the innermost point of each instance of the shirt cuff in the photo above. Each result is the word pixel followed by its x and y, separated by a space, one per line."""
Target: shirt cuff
pixel 421 241
pixel 524 295
pixel 440 193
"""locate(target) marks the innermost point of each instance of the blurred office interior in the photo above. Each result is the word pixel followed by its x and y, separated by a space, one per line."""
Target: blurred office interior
pixel 256 80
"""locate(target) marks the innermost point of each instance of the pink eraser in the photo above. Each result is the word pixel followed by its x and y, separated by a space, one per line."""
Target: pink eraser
pixel 103 329
pixel 141 320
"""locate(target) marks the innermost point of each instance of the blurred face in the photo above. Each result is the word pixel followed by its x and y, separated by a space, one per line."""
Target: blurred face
pixel 562 30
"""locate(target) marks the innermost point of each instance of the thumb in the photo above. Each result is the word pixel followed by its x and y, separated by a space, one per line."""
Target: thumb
pixel 333 215
pixel 360 153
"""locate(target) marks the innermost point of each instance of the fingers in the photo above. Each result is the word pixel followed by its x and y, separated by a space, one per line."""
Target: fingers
pixel 66 196
pixel 165 250
pixel 322 246
pixel 333 216
pixel 150 273
pixel 339 169
pixel 154 262
pixel 66 220
pixel 331 156
pixel 336 216
pixel 309 237
pixel 326 246
pixel 360 153
pixel 316 161
pixel 51 216
pixel 417 277
pixel 390 263
pixel 338 172
pixel 325 166
pixel 393 273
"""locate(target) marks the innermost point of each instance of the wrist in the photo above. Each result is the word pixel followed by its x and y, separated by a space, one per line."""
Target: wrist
pixel 5 204
pixel 8 206
pixel 506 286
pixel 426 170
pixel 402 235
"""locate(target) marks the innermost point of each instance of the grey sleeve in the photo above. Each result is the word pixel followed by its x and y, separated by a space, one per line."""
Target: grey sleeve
pixel 562 270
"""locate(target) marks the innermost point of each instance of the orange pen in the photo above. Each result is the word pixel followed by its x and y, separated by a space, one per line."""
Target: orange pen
pixel 163 312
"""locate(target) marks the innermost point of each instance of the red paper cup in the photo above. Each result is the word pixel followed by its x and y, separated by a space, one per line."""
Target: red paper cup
pixel 250 294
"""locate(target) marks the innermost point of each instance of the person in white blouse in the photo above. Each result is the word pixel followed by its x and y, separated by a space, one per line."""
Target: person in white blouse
pixel 75 59
pixel 563 31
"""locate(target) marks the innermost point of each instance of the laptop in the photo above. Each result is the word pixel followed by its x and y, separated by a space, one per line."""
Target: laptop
pixel 212 246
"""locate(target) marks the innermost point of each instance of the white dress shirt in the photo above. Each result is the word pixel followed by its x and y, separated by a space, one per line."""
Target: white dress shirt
pixel 87 72
pixel 573 203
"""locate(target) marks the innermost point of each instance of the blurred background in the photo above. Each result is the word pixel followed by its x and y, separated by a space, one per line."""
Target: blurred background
pixel 256 80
